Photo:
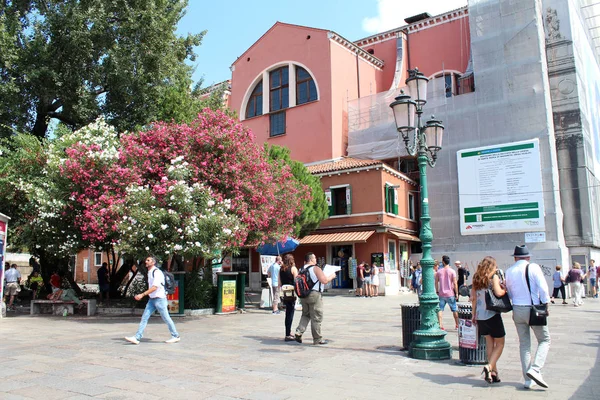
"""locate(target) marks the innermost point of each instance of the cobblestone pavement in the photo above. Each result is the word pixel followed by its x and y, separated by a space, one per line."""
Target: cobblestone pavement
pixel 244 356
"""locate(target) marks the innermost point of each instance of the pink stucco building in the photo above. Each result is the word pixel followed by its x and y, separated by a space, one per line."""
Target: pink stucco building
pixel 293 88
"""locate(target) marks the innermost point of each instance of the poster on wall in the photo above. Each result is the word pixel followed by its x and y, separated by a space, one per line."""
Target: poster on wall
pixel 467 334
pixel 266 262
pixel 173 300
pixel 377 258
pixel 500 189
pixel 228 296
pixel 2 248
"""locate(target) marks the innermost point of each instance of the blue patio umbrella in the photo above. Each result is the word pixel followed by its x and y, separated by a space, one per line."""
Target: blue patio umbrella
pixel 284 246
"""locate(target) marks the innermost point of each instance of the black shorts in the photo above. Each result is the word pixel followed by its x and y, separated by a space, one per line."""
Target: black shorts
pixel 493 327
pixel 359 283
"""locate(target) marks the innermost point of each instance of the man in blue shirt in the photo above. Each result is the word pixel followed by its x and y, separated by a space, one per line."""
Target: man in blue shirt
pixel 273 273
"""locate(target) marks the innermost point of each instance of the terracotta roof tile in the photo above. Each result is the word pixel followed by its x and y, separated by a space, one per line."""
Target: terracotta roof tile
pixel 342 164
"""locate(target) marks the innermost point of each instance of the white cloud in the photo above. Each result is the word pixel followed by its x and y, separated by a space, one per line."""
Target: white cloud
pixel 391 13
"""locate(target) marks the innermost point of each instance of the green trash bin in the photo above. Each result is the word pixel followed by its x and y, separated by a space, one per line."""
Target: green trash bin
pixel 226 292
pixel 241 290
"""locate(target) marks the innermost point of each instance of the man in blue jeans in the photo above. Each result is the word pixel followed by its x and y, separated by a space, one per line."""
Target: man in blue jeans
pixel 157 301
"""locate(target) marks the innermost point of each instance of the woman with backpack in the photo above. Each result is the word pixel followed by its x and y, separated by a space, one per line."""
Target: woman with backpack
pixel 575 277
pixel 287 274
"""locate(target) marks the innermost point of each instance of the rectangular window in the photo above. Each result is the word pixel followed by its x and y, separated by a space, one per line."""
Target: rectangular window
pixel 411 206
pixel 448 85
pixel 279 89
pixel 341 201
pixel 97 259
pixel 277 122
pixel 389 199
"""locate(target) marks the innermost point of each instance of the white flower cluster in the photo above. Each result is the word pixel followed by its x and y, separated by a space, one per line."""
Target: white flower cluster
pixel 98 133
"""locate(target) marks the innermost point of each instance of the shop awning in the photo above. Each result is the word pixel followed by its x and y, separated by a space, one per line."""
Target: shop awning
pixel 405 236
pixel 341 237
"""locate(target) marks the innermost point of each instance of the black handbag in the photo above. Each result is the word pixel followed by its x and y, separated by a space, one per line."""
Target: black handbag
pixel 538 314
pixel 495 303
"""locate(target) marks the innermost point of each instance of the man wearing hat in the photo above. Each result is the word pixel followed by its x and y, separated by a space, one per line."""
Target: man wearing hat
pixel 522 298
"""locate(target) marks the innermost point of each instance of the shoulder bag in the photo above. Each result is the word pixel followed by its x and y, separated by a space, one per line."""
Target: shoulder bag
pixel 495 303
pixel 538 315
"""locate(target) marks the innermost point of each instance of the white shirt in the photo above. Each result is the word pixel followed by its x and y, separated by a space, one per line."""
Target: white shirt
pixel 517 285
pixel 592 272
pixel 156 278
pixel 12 275
pixel 318 287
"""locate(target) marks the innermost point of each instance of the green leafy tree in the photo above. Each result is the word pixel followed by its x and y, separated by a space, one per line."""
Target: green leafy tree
pixel 314 209
pixel 73 60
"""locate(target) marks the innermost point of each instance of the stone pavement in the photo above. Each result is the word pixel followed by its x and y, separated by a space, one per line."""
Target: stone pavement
pixel 244 356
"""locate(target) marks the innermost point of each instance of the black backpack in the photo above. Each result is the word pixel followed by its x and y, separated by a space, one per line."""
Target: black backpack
pixel 169 284
pixel 303 283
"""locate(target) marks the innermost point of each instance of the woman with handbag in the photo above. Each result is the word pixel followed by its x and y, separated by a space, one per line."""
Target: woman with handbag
pixel 287 274
pixel 489 322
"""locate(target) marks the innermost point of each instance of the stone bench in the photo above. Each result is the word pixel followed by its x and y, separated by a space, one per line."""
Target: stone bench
pixel 58 307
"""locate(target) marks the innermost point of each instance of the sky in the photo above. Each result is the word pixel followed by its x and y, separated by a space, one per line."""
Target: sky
pixel 233 26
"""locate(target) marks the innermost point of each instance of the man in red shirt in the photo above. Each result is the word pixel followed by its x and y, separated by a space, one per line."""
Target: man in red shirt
pixel 446 285
pixel 55 281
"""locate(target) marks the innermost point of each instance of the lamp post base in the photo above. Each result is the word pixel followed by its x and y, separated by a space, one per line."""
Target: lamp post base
pixel 430 345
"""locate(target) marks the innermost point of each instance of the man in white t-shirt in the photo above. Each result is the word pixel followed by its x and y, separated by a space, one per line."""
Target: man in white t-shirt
pixel 157 301
pixel 312 305
pixel 522 299
pixel 12 276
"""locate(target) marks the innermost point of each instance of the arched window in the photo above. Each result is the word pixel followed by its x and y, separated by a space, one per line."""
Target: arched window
pixel 306 89
pixel 255 102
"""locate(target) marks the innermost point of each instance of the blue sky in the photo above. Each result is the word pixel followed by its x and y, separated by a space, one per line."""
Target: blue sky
pixel 233 26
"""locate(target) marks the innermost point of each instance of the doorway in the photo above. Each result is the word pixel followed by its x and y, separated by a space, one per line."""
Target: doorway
pixel 340 256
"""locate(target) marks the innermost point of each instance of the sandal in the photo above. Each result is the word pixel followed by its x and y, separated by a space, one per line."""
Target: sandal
pixel 487 372
pixel 495 377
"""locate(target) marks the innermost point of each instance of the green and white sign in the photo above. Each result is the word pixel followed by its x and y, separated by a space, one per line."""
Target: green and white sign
pixel 500 189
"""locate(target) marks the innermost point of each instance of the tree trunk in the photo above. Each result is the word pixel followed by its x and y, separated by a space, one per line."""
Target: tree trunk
pixel 41 122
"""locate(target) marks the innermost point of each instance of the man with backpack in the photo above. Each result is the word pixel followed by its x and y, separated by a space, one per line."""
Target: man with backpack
pixel 157 301
pixel 309 285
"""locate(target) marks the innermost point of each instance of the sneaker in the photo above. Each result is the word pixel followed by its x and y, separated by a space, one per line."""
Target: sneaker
pixel 298 338
pixel 529 385
pixel 537 378
pixel 173 340
pixel 552 301
pixel 321 342
pixel 276 312
pixel 132 339
pixel 564 302
pixel 289 338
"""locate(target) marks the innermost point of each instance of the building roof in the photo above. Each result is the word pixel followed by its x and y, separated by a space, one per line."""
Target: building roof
pixel 348 164
pixel 341 237
pixel 331 35
pixel 341 164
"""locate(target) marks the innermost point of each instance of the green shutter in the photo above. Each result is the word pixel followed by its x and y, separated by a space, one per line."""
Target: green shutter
pixel 348 200
pixel 395 201
pixel 385 190
pixel 329 197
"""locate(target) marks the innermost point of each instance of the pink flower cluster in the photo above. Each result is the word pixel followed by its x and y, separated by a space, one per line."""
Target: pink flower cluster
pixel 221 154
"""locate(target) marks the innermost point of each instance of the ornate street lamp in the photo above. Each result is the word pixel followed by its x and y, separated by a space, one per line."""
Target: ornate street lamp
pixel 424 142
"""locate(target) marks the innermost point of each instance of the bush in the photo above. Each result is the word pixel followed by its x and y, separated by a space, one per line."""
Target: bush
pixel 199 293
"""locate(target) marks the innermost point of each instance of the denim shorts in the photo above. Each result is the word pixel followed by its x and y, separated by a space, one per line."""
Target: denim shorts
pixel 451 301
pixel 593 282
